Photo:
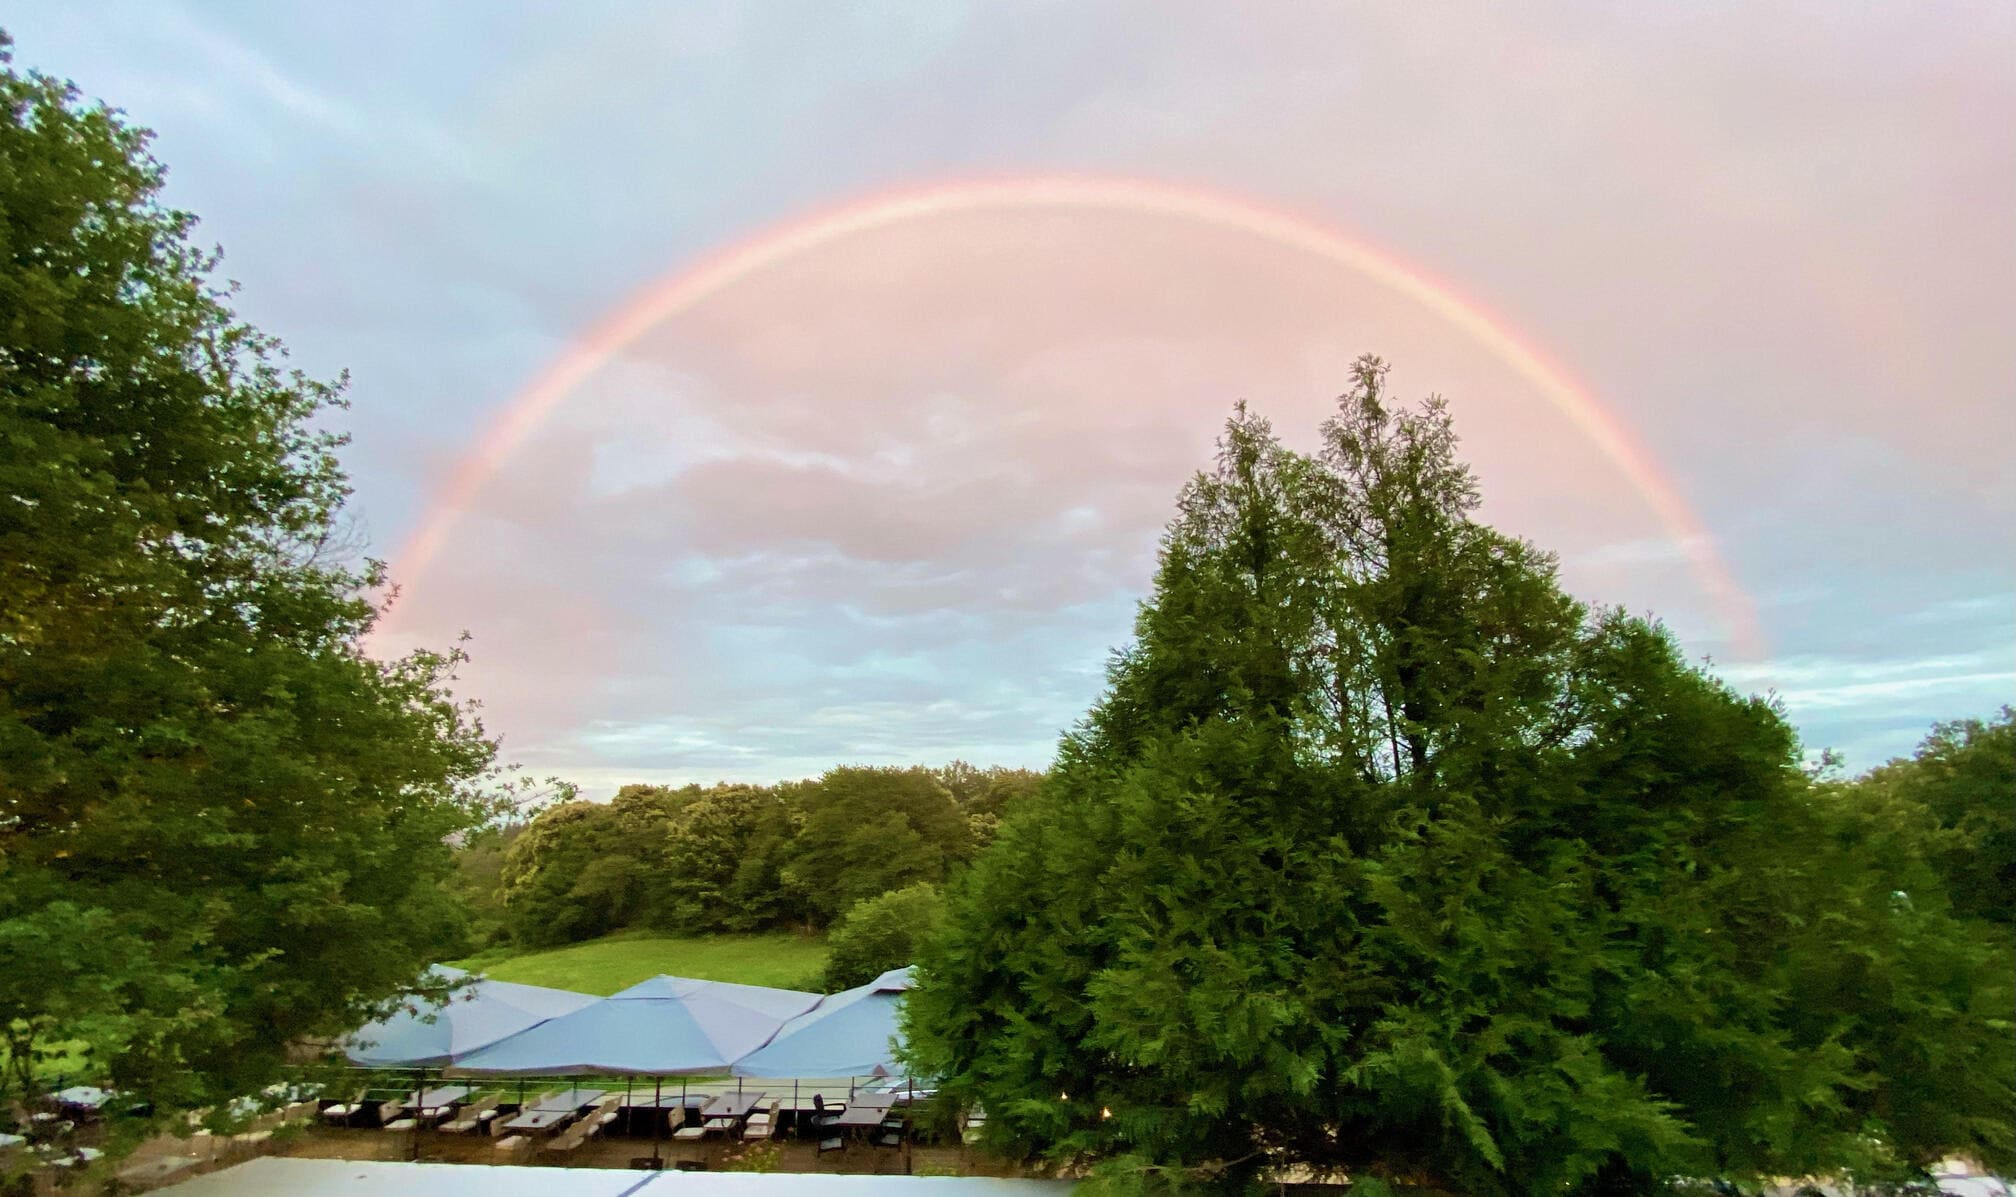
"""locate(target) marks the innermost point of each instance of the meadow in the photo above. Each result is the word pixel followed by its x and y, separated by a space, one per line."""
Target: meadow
pixel 783 959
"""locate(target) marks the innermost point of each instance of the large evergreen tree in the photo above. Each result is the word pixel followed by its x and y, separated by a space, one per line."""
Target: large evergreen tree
pixel 222 825
pixel 1381 851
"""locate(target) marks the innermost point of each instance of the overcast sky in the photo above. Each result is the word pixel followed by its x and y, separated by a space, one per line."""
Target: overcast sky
pixel 892 498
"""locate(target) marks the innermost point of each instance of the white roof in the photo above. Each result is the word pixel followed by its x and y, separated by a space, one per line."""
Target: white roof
pixel 353 1178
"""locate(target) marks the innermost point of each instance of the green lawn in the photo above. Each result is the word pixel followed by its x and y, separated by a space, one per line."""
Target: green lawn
pixel 783 959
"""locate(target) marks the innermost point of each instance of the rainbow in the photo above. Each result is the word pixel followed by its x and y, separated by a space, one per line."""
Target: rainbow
pixel 684 289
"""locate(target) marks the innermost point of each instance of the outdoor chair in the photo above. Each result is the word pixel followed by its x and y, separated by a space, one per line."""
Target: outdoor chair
pixel 763 1123
pixel 822 1118
pixel 692 1132
pixel 472 1118
pixel 572 1139
pixel 600 1118
pixel 833 1143
pixel 341 1113
pixel 890 1132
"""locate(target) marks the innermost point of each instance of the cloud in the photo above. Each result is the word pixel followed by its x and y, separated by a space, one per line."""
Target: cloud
pixel 904 494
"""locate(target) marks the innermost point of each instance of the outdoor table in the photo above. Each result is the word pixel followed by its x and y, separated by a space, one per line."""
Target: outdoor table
pixel 432 1101
pixel 570 1101
pixel 731 1105
pixel 861 1117
pixel 670 1101
pixel 539 1120
pixel 873 1101
pixel 81 1097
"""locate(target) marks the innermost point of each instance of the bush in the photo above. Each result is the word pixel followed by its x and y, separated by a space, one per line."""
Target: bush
pixel 881 933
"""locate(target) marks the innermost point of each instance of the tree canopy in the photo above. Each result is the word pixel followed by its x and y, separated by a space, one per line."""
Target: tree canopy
pixel 223 825
pixel 738 857
pixel 1381 851
pixel 880 933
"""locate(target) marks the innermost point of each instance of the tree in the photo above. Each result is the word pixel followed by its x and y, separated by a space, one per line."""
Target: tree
pixel 868 831
pixel 986 795
pixel 881 933
pixel 726 856
pixel 1962 777
pixel 1382 852
pixel 223 826
pixel 570 876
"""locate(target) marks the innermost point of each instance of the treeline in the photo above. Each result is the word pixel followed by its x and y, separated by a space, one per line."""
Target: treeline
pixel 730 857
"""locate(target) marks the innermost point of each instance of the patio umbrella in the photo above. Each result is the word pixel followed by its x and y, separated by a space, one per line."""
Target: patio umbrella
pixel 476 1015
pixel 850 1034
pixel 666 1026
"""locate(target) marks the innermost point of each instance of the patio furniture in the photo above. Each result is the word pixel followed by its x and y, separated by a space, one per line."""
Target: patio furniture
pixel 539 1120
pixel 341 1112
pixel 693 1132
pixel 572 1139
pixel 436 1103
pixel 834 1143
pixel 822 1118
pixel 473 1117
pixel 610 1109
pixel 731 1105
pixel 570 1099
pixel 763 1123
pixel 82 1099
pixel 860 1117
pixel 553 1109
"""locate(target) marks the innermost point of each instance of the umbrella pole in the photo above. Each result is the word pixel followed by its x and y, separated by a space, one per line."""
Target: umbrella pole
pixel 910 1126
pixel 657 1113
pixel 419 1095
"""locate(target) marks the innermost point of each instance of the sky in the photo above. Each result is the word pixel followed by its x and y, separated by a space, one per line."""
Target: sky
pixel 1709 288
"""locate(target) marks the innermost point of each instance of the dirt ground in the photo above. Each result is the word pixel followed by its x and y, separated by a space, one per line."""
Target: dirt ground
pixel 775 1155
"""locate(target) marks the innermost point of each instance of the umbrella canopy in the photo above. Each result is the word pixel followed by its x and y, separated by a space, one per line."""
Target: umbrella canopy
pixel 661 1027
pixel 849 1034
pixel 476 1015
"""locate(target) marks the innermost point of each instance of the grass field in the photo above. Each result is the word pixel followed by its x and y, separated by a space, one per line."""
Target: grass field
pixel 783 959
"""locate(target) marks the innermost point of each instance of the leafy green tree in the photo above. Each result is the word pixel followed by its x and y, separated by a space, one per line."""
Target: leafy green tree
pixel 1963 776
pixel 570 876
pixel 223 826
pixel 986 795
pixel 881 933
pixel 477 885
pixel 1382 852
pixel 726 856
pixel 867 831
